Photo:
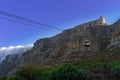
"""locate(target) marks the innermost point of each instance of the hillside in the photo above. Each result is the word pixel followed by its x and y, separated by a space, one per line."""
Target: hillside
pixel 68 47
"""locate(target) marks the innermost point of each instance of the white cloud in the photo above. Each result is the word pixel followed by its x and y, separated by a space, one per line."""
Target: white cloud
pixel 4 51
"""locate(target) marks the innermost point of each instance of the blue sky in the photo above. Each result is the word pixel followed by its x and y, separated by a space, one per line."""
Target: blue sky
pixel 62 14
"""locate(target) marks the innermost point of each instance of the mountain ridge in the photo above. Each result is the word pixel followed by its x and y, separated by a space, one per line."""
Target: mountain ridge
pixel 68 45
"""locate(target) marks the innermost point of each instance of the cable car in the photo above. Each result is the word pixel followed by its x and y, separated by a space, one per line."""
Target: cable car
pixel 86 43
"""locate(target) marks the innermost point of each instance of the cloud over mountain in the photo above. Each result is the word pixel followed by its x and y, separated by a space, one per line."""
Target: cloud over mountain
pixel 4 51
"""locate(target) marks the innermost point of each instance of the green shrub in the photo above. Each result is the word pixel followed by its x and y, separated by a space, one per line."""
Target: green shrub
pixel 31 73
pixel 14 77
pixel 66 72
pixel 115 73
pixel 84 75
pixel 69 72
pixel 3 78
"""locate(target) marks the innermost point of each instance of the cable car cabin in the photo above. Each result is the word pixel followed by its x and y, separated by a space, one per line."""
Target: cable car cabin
pixel 86 43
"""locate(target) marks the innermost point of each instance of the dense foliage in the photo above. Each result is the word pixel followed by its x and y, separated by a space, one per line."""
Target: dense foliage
pixel 69 72
pixel 89 71
pixel 115 73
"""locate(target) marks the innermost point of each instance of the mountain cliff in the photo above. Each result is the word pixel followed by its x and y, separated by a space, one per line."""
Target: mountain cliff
pixel 70 42
pixel 115 40
pixel 68 46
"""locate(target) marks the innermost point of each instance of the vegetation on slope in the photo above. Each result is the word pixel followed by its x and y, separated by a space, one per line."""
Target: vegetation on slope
pixel 87 71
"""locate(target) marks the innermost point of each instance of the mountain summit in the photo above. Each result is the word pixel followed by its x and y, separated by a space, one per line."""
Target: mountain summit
pixel 98 22
pixel 68 46
pixel 101 21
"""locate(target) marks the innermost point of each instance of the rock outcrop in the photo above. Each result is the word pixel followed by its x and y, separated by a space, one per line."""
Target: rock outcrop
pixel 68 45
pixel 115 40
pixel 11 62
pixel 97 32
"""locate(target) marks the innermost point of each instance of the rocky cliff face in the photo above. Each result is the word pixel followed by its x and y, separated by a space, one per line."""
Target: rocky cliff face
pixel 70 41
pixel 115 40
pixel 9 64
pixel 12 57
pixel 68 45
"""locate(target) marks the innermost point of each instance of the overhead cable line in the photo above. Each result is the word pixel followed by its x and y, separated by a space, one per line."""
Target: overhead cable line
pixel 28 20
pixel 30 25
